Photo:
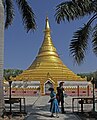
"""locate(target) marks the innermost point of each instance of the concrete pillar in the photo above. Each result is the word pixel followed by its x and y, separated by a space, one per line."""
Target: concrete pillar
pixel 78 90
pixel 88 90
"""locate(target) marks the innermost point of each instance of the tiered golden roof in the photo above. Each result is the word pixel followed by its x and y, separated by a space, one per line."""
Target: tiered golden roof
pixel 47 64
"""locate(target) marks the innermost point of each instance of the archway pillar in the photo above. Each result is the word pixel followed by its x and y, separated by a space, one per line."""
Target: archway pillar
pixel 55 86
pixel 42 88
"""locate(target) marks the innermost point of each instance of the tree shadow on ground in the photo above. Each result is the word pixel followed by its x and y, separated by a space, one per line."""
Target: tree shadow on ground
pixel 43 113
pixel 87 115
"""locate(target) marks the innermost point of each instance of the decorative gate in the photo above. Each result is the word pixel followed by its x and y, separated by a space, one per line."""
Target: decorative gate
pixel 48 85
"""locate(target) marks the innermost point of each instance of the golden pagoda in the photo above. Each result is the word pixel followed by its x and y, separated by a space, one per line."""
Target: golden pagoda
pixel 47 70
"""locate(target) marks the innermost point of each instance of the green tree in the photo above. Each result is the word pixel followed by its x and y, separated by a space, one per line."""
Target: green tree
pixel 7 14
pixel 77 9
pixel 90 76
pixel 11 72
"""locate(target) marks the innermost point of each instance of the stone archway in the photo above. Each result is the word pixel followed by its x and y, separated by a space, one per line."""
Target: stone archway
pixel 48 84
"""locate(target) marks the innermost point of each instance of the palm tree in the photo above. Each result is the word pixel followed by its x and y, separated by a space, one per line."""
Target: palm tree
pixel 7 15
pixel 77 9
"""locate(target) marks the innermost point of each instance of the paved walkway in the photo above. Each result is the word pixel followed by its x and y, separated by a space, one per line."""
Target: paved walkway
pixel 37 108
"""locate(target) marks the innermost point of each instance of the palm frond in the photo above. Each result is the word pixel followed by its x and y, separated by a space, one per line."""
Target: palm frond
pixel 79 43
pixel 94 4
pixel 28 15
pixel 94 41
pixel 73 10
pixel 9 13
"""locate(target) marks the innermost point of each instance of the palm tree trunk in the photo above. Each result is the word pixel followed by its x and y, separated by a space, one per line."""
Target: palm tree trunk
pixel 1 56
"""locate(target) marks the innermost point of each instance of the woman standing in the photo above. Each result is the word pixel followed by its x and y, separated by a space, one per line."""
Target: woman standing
pixel 54 108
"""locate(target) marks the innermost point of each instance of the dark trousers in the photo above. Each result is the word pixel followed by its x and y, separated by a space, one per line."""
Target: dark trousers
pixel 62 105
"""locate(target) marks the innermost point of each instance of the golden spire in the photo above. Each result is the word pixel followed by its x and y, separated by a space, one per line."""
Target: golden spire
pixel 47 51
pixel 47 47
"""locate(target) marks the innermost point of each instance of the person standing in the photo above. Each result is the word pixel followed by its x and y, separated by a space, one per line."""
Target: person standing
pixel 54 108
pixel 60 96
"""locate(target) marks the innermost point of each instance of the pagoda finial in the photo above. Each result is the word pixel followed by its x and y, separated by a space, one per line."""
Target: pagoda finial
pixel 47 26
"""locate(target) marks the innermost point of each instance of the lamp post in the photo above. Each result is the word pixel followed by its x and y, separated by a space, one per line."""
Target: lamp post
pixel 93 83
pixel 10 82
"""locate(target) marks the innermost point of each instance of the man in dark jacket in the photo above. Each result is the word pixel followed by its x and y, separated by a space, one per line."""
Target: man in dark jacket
pixel 60 96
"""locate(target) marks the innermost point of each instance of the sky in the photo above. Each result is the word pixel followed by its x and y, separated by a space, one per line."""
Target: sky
pixel 21 48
